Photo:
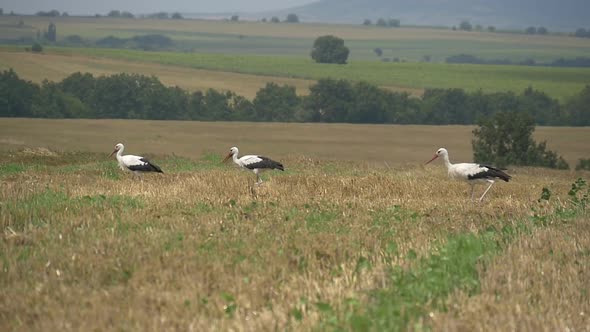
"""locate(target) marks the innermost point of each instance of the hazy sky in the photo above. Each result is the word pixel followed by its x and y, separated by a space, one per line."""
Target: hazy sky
pixel 146 6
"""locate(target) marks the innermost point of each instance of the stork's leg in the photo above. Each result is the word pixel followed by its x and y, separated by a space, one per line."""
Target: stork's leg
pixel 485 192
pixel 258 179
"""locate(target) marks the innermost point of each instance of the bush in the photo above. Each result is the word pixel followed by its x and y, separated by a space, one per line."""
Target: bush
pixel 36 48
pixel 329 49
pixel 292 18
pixel 466 26
pixel 506 139
pixel 583 164
pixel 74 39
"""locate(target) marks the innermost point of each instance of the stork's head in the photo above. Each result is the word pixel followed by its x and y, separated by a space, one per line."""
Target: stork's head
pixel 232 151
pixel 439 153
pixel 118 147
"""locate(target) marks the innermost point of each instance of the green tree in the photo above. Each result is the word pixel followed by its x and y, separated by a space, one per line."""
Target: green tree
pixel 545 110
pixel 329 49
pixel 80 85
pixel 276 103
pixel 465 26
pixel 578 108
pixel 394 23
pixel 51 32
pixel 447 106
pixel 274 19
pixel 37 48
pixel 329 100
pixel 367 22
pixel 177 16
pixel 234 18
pixel 506 139
pixel 492 28
pixel 583 164
pixel 159 15
pixel 381 22
pixel 292 18
pixel 114 13
pixel 530 30
pixel 15 95
pixel 582 33
pixel 52 102
pixel 370 104
pixel 218 105
pixel 542 30
pixel 243 109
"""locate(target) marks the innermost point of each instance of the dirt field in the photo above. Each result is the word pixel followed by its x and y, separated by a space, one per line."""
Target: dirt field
pixel 394 144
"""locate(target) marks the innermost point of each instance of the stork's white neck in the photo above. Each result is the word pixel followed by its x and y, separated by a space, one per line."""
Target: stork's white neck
pixel 446 160
pixel 235 158
pixel 120 152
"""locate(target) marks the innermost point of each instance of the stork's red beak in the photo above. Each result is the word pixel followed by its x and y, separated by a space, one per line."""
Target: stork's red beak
pixel 227 157
pixel 435 156
pixel 112 153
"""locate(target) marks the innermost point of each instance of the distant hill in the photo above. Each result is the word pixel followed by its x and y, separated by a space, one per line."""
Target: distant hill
pixel 565 15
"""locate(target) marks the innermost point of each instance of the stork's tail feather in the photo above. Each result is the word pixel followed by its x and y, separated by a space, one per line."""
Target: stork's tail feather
pixel 500 174
pixel 156 168
pixel 504 176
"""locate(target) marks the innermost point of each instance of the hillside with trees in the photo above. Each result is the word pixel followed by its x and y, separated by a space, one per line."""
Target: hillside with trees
pixel 553 14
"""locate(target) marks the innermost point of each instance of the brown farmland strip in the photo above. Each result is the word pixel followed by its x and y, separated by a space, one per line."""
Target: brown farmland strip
pixel 53 67
pixel 394 144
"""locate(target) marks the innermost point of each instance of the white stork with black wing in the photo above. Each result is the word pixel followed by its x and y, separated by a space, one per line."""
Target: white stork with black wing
pixel 134 164
pixel 254 163
pixel 472 173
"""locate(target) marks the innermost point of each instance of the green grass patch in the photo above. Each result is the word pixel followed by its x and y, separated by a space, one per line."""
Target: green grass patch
pixel 8 169
pixel 43 208
pixel 426 286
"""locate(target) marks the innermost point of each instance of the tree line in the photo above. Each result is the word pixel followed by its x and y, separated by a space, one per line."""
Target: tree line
pixel 133 96
pixel 561 62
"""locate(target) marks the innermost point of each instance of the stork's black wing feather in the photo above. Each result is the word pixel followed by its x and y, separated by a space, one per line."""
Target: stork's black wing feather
pixel 490 172
pixel 146 166
pixel 265 163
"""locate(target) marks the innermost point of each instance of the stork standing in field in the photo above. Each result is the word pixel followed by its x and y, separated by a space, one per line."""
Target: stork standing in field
pixel 134 164
pixel 254 163
pixel 472 173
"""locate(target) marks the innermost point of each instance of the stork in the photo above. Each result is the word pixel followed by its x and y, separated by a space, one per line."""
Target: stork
pixel 134 164
pixel 470 172
pixel 254 163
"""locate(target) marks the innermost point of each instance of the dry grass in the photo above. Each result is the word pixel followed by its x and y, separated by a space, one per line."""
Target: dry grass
pixel 86 247
pixel 204 250
pixel 37 67
pixel 393 144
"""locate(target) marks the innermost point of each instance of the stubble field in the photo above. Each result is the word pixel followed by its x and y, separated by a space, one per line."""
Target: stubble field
pixel 357 234
pixel 332 243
